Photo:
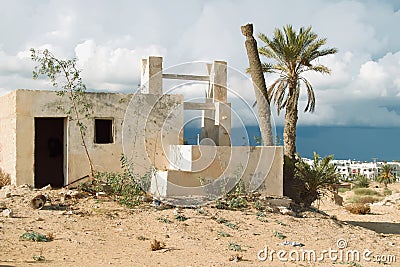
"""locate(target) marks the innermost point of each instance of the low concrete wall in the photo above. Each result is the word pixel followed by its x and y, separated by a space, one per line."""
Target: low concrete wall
pixel 197 171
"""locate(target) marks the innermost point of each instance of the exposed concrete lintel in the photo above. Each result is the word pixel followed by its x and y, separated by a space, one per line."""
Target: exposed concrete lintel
pixel 186 77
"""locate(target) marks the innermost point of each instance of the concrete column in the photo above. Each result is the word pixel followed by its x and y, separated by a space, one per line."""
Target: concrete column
pixel 219 80
pixel 223 123
pixel 208 127
pixel 151 77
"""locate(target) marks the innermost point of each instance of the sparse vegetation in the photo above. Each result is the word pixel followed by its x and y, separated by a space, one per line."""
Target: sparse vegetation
pixel 5 178
pixel 358 208
pixel 318 176
pixel 36 237
pixel 234 246
pixel 38 258
pixel 142 238
pixel 126 188
pixel 387 191
pixel 279 235
pixel 262 219
pixel 224 234
pixel 227 223
pixel 363 199
pixel 361 181
pixel 343 190
pixel 231 225
pixel 181 217
pixel 157 245
pixel 366 192
pixel 280 222
pixel 164 220
pixel 65 76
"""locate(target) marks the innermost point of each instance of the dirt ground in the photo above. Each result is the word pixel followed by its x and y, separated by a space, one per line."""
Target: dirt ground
pixel 90 231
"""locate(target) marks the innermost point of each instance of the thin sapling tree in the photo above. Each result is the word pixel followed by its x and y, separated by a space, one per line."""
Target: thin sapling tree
pixel 65 77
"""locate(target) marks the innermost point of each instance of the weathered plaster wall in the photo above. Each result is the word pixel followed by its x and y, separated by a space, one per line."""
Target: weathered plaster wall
pixel 152 124
pixel 8 134
pixel 259 168
pixel 34 103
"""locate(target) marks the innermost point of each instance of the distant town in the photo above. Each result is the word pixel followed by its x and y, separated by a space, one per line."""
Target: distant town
pixel 350 169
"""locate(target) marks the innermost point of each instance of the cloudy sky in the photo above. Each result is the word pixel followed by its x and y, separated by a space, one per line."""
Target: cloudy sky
pixel 110 37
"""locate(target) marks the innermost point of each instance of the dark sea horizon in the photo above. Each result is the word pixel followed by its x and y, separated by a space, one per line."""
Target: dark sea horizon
pixel 355 143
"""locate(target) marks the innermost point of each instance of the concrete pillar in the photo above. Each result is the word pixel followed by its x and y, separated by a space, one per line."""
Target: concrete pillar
pixel 151 77
pixel 223 123
pixel 208 127
pixel 216 124
pixel 219 80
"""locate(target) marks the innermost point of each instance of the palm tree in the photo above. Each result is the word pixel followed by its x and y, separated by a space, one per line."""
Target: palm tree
pixel 292 54
pixel 260 89
pixel 319 176
pixel 386 177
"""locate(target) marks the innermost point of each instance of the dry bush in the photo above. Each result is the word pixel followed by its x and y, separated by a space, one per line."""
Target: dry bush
pixel 157 245
pixel 366 192
pixel 358 208
pixel 364 199
pixel 5 178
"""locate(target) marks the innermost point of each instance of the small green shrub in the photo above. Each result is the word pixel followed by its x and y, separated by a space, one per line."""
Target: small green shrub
pixel 387 192
pixel 180 217
pixel 221 220
pixel 262 219
pixel 223 234
pixel 36 237
pixel 343 190
pixel 260 214
pixel 361 181
pixel 364 199
pixel 317 177
pixel 280 223
pixel 279 235
pixel 231 225
pixel 164 220
pixel 366 192
pixel 234 246
pixel 237 203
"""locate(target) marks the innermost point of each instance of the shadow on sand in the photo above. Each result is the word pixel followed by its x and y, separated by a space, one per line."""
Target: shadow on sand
pixel 379 227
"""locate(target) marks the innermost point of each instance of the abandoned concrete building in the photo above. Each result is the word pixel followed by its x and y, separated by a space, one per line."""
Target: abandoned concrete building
pixel 39 145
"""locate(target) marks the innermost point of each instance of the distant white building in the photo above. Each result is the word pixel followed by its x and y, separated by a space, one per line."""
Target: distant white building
pixel 349 168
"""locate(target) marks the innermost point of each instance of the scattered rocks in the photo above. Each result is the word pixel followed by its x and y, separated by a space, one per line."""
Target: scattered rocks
pixel 5 193
pixel 38 202
pixel 285 211
pixel 47 187
pixel 3 206
pixel 7 213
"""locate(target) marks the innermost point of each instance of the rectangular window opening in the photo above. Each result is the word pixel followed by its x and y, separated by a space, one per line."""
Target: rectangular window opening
pixel 103 131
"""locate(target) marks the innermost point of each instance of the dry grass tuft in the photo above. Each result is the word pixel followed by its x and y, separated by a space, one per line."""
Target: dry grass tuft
pixel 157 245
pixel 358 208
pixel 5 178
pixel 236 257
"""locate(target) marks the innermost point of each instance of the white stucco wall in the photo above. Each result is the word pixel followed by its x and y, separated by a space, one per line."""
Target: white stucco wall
pixel 35 103
pixel 8 134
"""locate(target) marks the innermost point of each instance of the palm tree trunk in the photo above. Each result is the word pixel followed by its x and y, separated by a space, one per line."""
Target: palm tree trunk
pixel 260 89
pixel 291 117
pixel 292 187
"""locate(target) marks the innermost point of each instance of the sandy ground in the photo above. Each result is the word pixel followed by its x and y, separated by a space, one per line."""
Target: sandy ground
pixel 100 232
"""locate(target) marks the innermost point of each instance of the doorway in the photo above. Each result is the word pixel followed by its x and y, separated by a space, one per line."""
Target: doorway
pixel 49 152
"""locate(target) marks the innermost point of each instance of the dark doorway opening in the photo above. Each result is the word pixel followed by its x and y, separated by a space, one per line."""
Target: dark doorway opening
pixel 49 152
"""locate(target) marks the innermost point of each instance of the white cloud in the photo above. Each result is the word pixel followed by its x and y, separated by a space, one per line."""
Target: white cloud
pixel 110 39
